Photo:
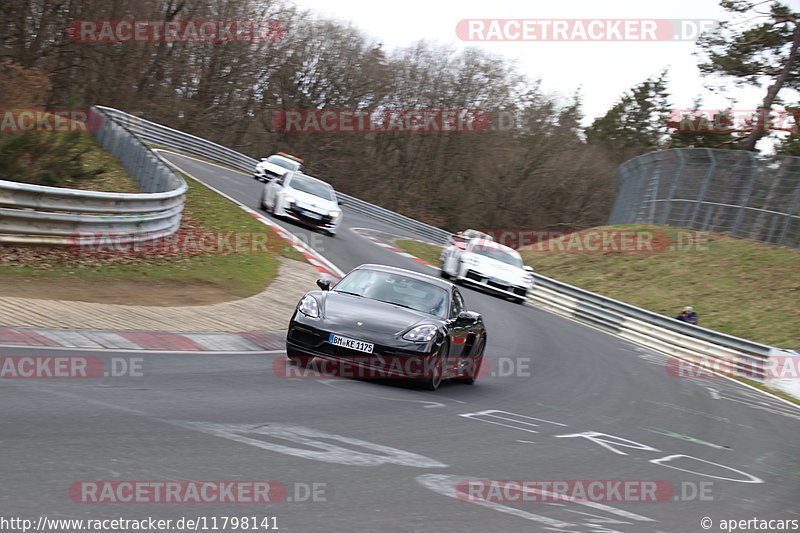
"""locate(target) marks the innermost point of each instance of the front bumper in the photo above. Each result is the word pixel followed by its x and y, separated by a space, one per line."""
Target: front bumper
pixel 497 286
pixel 304 217
pixel 410 361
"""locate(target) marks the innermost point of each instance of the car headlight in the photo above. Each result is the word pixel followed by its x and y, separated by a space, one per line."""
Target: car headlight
pixel 423 333
pixel 309 306
pixel 527 278
pixel 288 197
pixel 334 214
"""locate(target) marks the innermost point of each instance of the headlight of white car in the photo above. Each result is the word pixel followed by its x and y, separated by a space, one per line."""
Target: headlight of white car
pixel 422 333
pixel 288 197
pixel 309 306
pixel 334 214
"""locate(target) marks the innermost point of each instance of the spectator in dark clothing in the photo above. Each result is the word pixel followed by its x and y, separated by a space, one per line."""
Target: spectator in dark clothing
pixel 688 315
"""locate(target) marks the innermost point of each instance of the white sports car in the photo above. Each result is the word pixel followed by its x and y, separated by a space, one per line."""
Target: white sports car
pixel 487 265
pixel 304 199
pixel 276 166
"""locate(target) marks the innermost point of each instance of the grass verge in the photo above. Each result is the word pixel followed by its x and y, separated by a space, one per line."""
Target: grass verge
pixel 232 273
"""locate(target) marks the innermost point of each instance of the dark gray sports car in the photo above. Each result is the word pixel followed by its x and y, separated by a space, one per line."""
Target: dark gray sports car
pixel 389 322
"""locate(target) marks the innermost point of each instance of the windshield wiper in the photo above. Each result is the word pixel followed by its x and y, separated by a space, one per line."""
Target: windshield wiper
pixel 350 293
pixel 399 305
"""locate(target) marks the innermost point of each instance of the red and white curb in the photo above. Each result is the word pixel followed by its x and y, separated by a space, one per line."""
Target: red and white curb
pixel 378 239
pixel 144 340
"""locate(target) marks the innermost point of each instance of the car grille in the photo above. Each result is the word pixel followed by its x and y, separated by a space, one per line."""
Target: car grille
pixel 521 291
pixel 324 220
pixel 471 274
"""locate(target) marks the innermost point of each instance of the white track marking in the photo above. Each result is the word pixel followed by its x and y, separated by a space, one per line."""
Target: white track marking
pixel 447 485
pixel 492 416
pixel 606 441
pixel 315 444
pixel 664 460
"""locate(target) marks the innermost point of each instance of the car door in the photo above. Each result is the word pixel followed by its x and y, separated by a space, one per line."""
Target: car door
pixel 457 333
pixel 273 189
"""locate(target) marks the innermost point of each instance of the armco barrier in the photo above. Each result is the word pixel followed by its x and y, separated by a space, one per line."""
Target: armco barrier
pixel 706 347
pixel 54 215
pixel 703 346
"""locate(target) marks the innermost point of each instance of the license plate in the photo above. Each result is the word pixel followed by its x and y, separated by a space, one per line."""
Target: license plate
pixel 352 344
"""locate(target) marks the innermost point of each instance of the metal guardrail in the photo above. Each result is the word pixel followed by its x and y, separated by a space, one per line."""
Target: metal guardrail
pixel 704 346
pixel 165 137
pixel 54 215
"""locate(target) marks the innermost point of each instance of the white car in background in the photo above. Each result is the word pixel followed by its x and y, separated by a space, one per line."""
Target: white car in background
pixel 304 199
pixel 276 166
pixel 488 265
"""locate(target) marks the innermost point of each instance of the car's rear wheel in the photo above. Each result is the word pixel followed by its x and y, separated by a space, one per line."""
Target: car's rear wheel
pixel 444 274
pixel 300 359
pixel 474 364
pixel 434 372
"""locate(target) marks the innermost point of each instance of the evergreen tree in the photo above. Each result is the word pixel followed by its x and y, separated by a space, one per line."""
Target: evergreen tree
pixel 637 122
pixel 760 49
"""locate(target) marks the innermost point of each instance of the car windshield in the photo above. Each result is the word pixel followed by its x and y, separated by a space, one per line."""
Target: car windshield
pixel 312 186
pixel 396 289
pixel 288 164
pixel 500 255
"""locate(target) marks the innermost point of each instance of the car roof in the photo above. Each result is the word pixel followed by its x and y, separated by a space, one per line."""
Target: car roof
pixel 409 273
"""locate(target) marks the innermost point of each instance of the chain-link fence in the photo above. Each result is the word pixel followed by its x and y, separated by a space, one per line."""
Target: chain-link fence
pixel 729 191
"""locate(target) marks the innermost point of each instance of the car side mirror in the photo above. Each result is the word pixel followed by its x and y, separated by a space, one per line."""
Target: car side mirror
pixel 528 268
pixel 467 318
pixel 324 284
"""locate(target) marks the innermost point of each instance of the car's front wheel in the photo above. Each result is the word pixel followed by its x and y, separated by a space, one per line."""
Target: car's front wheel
pixel 474 362
pixel 434 369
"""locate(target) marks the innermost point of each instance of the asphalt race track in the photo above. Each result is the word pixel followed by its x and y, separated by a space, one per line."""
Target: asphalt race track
pixel 564 402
